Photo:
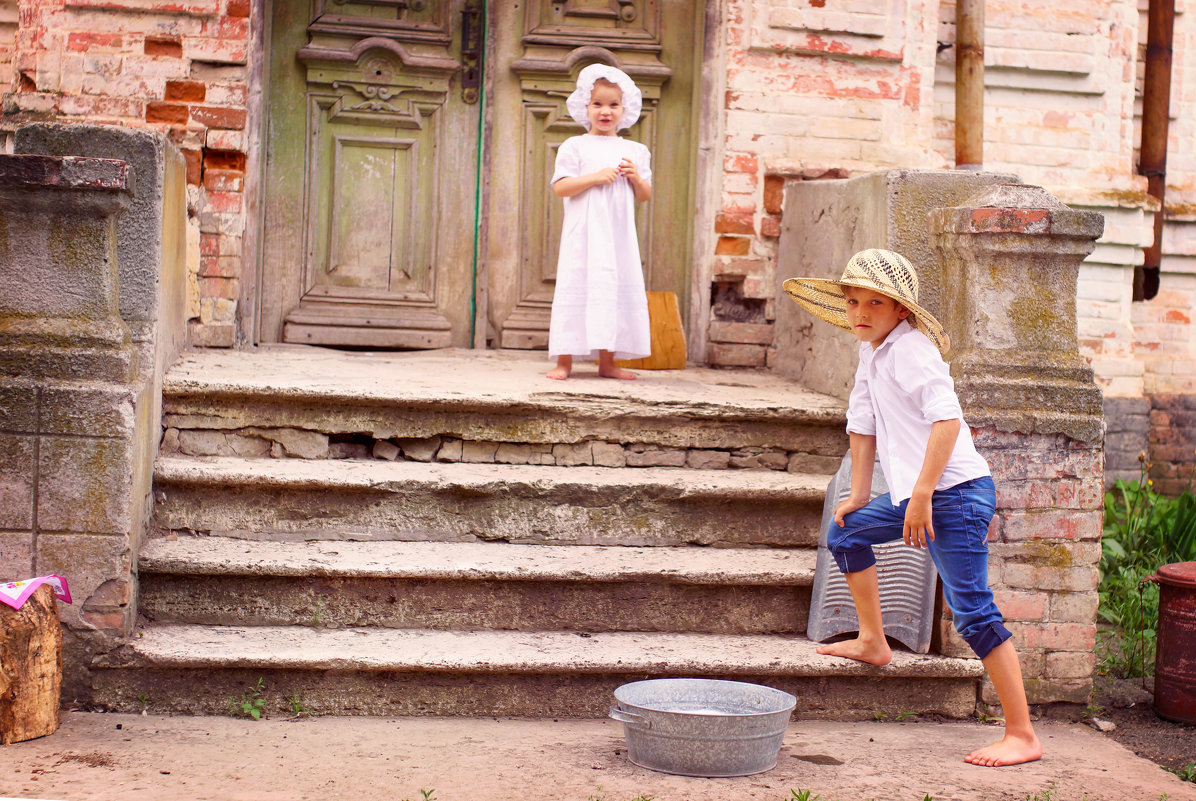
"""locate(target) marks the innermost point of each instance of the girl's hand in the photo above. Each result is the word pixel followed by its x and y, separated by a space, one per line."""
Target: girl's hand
pixel 627 169
pixel 607 175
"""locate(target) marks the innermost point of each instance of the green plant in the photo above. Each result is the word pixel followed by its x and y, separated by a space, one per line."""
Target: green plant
pixel 802 795
pixel 904 714
pixel 1045 795
pixel 1143 531
pixel 426 795
pixel 317 614
pixel 143 699
pixel 1187 772
pixel 295 702
pixel 879 716
pixel 251 702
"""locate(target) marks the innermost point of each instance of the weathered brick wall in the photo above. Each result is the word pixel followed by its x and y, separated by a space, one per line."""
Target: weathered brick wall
pixel 8 36
pixel 177 67
pixel 1172 453
pixel 1127 438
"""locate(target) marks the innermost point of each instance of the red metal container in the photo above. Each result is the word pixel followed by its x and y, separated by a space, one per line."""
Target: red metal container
pixel 1175 647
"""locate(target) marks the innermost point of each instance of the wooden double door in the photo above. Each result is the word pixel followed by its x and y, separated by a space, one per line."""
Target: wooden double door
pixel 409 146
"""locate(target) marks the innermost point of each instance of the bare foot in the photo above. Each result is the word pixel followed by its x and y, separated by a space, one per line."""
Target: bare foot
pixel 870 651
pixel 564 366
pixel 617 372
pixel 1009 750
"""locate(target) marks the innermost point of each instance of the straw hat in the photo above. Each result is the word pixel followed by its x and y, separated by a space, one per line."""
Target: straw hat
pixel 882 271
pixel 633 98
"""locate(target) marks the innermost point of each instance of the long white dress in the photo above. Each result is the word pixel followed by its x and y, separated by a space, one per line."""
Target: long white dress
pixel 599 301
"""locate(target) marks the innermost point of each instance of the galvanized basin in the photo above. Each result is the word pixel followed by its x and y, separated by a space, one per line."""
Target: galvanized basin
pixel 703 727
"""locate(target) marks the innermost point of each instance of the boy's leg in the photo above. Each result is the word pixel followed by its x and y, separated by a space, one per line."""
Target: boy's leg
pixel 564 366
pixel 607 368
pixel 960 551
pixel 869 644
pixel 851 545
pixel 1020 743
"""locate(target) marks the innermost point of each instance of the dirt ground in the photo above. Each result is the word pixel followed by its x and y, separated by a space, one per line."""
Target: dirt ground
pixel 1129 707
pixel 130 757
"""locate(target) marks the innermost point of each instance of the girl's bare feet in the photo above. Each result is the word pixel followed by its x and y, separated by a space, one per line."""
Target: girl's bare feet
pixel 564 366
pixel 617 372
pixel 871 651
pixel 1009 750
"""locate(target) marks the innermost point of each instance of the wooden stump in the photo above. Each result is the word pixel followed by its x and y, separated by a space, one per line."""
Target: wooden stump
pixel 668 339
pixel 30 668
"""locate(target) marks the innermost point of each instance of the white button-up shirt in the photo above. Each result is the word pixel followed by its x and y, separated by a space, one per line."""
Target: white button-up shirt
pixel 901 389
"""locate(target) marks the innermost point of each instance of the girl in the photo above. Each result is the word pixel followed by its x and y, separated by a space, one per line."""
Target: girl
pixel 599 308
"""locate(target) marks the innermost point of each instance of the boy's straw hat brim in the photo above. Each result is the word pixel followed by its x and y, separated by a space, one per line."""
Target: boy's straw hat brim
pixel 881 271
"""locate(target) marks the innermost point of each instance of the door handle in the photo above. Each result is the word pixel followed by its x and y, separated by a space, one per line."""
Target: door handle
pixel 472 39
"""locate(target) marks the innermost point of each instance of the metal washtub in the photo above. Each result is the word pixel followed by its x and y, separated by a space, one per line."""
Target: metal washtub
pixel 703 727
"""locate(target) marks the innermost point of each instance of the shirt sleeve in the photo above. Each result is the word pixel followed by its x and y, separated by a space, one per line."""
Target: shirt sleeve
pixel 643 163
pixel 926 379
pixel 861 419
pixel 568 161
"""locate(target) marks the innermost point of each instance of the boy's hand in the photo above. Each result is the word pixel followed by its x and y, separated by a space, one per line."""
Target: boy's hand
pixel 919 527
pixel 846 507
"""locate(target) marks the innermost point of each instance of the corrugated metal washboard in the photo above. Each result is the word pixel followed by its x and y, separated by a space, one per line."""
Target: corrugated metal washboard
pixel 908 580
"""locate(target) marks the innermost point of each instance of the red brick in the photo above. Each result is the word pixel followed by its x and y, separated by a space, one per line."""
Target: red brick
pixel 1059 636
pixel 729 355
pixel 219 267
pixel 217 117
pixel 223 160
pixel 774 193
pixel 163 46
pixel 741 162
pixel 194 159
pixel 215 287
pixel 223 202
pixel 166 112
pixel 734 224
pixel 82 41
pixel 237 8
pixel 224 181
pixel 186 91
pixel 1016 605
pixel 770 226
pixel 209 244
pixel 1027 221
pixel 733 246
pixel 234 28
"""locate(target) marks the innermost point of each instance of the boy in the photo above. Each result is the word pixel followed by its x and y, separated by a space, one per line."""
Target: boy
pixel 903 408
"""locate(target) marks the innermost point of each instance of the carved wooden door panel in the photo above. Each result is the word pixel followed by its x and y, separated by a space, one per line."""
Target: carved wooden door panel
pixel 371 164
pixel 540 46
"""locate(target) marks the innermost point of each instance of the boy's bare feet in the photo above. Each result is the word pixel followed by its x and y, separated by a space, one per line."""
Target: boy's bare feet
pixel 871 651
pixel 617 372
pixel 564 366
pixel 1009 750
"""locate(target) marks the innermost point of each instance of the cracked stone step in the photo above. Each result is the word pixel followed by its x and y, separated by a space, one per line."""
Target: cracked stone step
pixel 334 499
pixel 475 585
pixel 197 669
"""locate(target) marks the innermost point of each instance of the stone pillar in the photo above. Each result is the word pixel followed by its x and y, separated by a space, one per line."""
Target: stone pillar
pixel 67 385
pixel 1010 257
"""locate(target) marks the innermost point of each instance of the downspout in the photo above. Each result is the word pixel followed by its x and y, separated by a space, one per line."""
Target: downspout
pixel 1156 116
pixel 969 85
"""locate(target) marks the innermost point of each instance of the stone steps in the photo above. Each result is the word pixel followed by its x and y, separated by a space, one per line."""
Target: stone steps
pixel 381 500
pixel 374 671
pixel 475 586
pixel 494 408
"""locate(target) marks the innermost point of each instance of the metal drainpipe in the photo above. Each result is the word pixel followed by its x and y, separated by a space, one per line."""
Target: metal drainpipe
pixel 1156 116
pixel 969 84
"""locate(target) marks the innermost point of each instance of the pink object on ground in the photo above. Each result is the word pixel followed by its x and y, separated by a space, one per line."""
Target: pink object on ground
pixel 15 593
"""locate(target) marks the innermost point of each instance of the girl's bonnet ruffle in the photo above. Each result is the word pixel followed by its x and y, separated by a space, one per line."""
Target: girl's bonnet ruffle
pixel 633 98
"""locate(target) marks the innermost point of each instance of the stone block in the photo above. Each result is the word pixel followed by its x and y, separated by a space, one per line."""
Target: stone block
pixel 18 408
pixel 741 333
pixel 17 475
pixel 573 455
pixel 609 454
pixel 16 555
pixel 722 354
pixel 295 442
pixel 421 449
pixel 513 453
pixel 85 485
pixel 87 411
pixel 203 442
pixel 774 460
pixel 813 463
pixel 88 562
pixel 707 460
pixel 479 452
pixel 450 451
pixel 384 449
pixel 657 458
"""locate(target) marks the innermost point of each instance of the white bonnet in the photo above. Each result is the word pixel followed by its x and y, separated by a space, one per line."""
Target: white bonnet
pixel 633 98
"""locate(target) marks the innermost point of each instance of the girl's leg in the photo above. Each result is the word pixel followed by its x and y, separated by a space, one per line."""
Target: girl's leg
pixel 607 368
pixel 870 644
pixel 564 366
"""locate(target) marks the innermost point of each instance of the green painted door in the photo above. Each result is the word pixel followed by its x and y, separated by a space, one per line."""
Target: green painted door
pixel 371 144
pixel 371 154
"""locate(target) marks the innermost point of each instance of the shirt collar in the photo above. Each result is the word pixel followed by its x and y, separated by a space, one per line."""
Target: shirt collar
pixel 901 329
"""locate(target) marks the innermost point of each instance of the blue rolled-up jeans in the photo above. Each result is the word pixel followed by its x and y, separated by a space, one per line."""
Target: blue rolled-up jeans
pixel 960 515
